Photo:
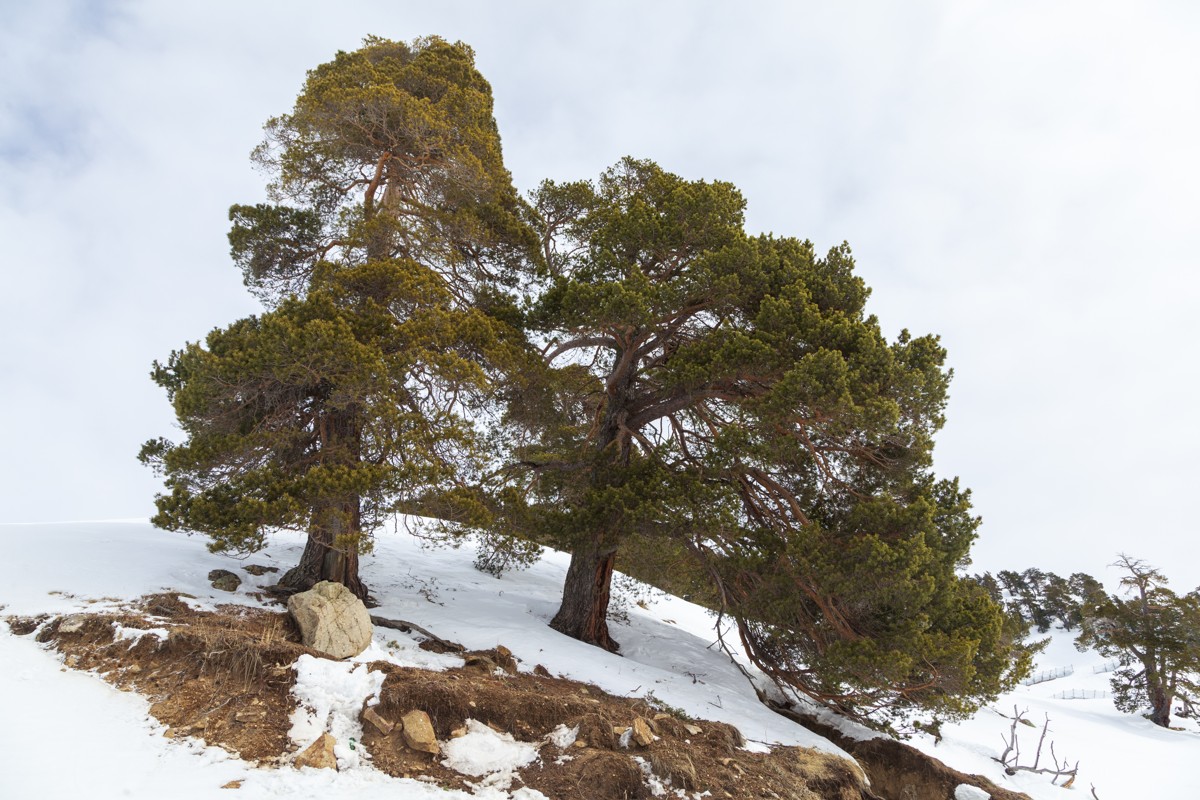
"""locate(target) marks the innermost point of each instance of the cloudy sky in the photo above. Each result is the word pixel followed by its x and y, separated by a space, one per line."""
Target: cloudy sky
pixel 1022 178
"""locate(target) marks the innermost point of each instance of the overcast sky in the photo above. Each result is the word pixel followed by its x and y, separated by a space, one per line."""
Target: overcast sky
pixel 1022 178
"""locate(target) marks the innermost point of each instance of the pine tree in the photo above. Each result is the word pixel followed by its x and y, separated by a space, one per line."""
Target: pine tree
pixel 383 263
pixel 1154 634
pixel 725 396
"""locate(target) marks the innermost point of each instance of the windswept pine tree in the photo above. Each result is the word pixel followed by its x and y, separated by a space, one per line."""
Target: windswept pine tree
pixel 1154 634
pixel 382 261
pixel 726 396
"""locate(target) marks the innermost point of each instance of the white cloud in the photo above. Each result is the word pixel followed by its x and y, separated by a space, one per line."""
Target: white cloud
pixel 1018 177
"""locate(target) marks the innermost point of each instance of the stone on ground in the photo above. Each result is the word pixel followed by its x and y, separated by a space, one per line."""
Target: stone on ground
pixel 642 733
pixel 319 754
pixel 331 620
pixel 224 580
pixel 382 725
pixel 418 732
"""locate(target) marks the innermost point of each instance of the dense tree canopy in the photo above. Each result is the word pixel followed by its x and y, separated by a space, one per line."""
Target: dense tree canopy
pixel 380 262
pixel 726 396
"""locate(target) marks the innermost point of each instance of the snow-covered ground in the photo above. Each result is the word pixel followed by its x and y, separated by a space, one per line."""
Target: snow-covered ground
pixel 70 734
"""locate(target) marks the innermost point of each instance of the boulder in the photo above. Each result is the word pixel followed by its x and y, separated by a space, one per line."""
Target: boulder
pixel 319 754
pixel 259 569
pixel 224 580
pixel 331 620
pixel 418 732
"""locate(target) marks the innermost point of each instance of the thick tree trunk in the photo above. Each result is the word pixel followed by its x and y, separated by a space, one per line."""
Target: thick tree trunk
pixel 584 611
pixel 324 559
pixel 331 552
pixel 583 614
pixel 1160 705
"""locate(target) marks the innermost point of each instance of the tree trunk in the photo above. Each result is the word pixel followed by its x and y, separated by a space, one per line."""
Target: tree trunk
pixel 1160 705
pixel 331 552
pixel 324 559
pixel 583 614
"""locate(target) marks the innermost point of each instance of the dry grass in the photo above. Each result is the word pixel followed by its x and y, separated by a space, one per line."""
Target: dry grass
pixel 226 677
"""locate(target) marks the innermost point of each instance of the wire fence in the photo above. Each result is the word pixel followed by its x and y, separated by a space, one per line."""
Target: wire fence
pixel 1080 694
pixel 1047 675
pixel 1108 666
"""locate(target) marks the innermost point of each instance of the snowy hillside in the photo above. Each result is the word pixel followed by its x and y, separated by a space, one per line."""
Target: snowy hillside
pixel 75 735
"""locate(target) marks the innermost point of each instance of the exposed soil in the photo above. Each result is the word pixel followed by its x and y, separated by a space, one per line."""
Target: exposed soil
pixel 226 677
pixel 900 771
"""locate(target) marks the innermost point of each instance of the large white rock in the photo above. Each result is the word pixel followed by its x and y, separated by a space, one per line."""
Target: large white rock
pixel 331 620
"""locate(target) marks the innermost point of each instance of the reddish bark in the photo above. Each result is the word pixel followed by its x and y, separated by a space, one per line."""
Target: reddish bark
pixel 584 611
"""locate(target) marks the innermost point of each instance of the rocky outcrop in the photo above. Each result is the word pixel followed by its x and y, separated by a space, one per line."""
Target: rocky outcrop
pixel 331 620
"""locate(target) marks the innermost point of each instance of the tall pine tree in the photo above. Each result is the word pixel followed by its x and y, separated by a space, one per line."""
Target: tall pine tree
pixel 382 261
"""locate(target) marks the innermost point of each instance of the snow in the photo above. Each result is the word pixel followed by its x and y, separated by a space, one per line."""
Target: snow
pixel 563 737
pixel 330 695
pixel 134 635
pixel 965 791
pixel 1116 752
pixel 483 751
pixel 75 735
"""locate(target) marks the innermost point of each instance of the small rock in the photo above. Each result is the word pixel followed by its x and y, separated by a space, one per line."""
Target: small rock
pixel 319 754
pixel 505 660
pixel 418 732
pixel 224 580
pixel 693 730
pixel 232 785
pixel 259 569
pixel 458 733
pixel 73 623
pixel 251 714
pixel 661 715
pixel 642 733
pixel 541 671
pixel 133 669
pixel 619 730
pixel 480 662
pixel 579 743
pixel 382 725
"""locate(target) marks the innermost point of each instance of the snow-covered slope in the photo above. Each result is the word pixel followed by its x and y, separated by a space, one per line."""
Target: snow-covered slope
pixel 74 735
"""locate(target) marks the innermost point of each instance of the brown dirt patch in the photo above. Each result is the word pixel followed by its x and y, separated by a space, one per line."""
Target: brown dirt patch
pixel 226 677
pixel 900 771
